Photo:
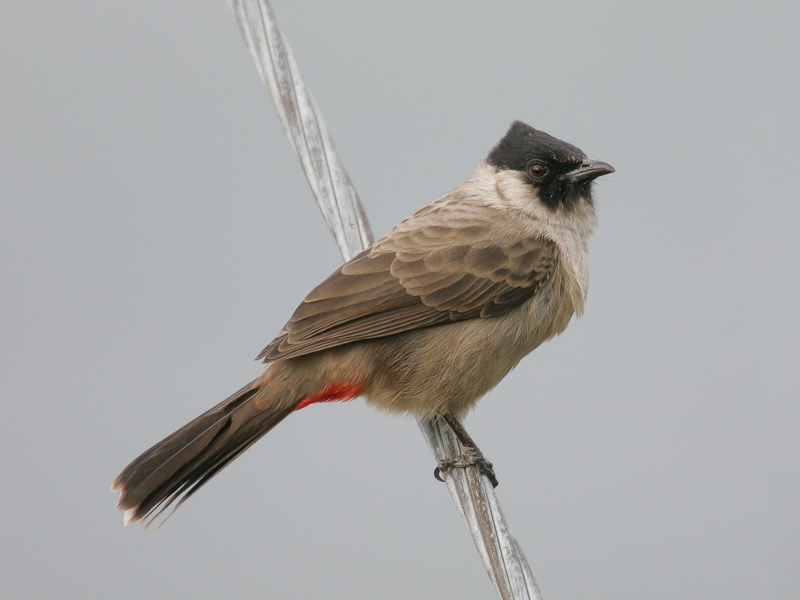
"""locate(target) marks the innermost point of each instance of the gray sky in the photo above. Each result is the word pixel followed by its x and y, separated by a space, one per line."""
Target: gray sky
pixel 156 232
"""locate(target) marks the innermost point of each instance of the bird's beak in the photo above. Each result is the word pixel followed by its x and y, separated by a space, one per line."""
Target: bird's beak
pixel 589 169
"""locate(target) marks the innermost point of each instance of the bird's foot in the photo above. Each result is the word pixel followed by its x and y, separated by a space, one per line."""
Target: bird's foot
pixel 468 459
pixel 472 455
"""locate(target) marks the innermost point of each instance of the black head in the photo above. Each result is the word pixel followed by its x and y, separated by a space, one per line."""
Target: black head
pixel 560 171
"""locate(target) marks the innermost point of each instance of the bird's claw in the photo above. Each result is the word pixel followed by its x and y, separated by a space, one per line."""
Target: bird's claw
pixel 466 460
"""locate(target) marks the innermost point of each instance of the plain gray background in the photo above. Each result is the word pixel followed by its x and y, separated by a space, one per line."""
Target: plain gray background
pixel 156 232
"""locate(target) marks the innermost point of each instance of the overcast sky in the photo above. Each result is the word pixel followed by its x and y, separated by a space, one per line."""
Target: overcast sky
pixel 156 232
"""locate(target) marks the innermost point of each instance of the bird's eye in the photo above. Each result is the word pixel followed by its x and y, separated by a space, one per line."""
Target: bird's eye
pixel 537 169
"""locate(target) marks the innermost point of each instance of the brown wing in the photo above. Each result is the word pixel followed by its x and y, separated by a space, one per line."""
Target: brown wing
pixel 416 279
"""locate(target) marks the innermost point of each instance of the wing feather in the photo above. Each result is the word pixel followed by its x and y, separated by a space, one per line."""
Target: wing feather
pixel 417 278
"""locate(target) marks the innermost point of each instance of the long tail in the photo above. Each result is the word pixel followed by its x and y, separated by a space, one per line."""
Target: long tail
pixel 177 466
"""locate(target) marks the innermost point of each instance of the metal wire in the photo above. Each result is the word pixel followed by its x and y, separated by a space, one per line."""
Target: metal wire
pixel 337 198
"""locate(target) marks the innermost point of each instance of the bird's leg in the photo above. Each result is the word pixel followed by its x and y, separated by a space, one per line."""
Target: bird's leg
pixel 472 455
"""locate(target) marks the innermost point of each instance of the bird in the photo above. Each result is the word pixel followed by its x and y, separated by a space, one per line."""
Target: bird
pixel 425 321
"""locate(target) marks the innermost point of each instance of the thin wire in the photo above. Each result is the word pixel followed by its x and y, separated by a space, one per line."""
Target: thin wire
pixel 336 196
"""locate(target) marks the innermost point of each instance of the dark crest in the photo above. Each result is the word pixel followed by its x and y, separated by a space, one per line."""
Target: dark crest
pixel 523 143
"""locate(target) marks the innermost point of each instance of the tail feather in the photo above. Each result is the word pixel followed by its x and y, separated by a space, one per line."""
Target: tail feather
pixel 177 466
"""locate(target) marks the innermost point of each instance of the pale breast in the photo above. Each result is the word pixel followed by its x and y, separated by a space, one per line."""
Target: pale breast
pixel 450 367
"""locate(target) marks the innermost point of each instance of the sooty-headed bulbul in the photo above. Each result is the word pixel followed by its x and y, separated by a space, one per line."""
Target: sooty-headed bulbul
pixel 425 321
